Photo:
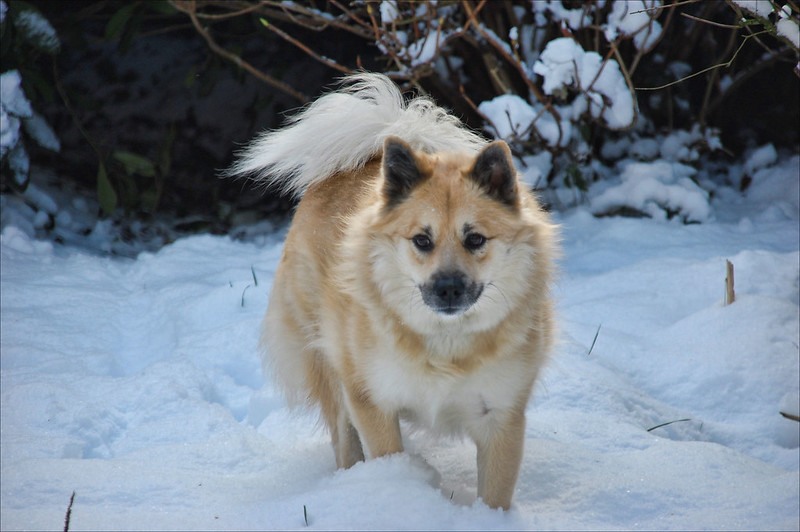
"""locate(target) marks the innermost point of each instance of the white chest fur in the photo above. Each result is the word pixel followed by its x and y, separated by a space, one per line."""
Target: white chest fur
pixel 442 401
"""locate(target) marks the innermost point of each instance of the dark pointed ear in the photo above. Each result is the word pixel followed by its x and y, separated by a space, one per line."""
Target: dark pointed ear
pixel 494 172
pixel 400 170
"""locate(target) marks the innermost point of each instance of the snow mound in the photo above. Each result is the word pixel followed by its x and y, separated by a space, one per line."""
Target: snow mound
pixel 658 189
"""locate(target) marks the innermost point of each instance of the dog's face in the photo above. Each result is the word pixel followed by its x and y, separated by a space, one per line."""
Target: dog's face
pixel 452 249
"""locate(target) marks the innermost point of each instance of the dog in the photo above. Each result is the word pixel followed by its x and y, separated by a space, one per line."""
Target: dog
pixel 415 278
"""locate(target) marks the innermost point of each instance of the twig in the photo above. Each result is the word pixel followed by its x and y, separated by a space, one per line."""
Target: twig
pixel 655 8
pixel 690 76
pixel 350 14
pixel 711 22
pixel 656 41
pixel 742 78
pixel 313 16
pixel 712 81
pixel 322 59
pixel 73 114
pixel 190 8
pixel 222 16
pixel 475 108
pixel 667 423
pixel 596 334
pixel 69 512
pixel 790 416
pixel 517 65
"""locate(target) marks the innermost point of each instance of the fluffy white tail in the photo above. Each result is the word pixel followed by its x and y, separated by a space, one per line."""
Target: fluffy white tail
pixel 343 130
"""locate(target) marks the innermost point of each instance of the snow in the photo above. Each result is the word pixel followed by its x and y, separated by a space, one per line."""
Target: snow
pixel 424 50
pixel 389 11
pixel 574 18
pixel 788 27
pixel 513 34
pixel 136 383
pixel 760 158
pixel 778 190
pixel 604 93
pixel 509 114
pixel 656 188
pixel 37 29
pixel 16 111
pixel 13 105
pixel 535 169
pixel 511 117
pixel 11 95
pixel 40 131
pixel 633 18
pixel 762 8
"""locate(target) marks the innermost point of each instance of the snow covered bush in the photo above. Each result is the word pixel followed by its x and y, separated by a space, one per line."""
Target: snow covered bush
pixel 657 189
pixel 544 75
pixel 780 21
pixel 568 78
pixel 24 31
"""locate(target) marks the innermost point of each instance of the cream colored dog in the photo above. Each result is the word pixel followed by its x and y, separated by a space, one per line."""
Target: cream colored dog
pixel 415 278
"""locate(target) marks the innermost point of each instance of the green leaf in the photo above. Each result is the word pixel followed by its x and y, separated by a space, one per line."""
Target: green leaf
pixel 574 178
pixel 118 21
pixel 165 153
pixel 162 7
pixel 149 199
pixel 190 78
pixel 105 192
pixel 130 32
pixel 135 164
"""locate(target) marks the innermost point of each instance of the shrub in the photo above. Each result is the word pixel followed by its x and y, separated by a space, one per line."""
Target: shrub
pixel 26 34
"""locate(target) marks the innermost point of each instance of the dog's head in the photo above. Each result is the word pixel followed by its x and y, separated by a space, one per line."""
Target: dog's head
pixel 455 239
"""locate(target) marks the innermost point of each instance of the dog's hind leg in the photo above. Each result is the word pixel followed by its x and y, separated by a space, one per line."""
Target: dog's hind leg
pixel 326 391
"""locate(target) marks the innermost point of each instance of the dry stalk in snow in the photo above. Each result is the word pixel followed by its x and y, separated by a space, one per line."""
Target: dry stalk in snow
pixel 730 296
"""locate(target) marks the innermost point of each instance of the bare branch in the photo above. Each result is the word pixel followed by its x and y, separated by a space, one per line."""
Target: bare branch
pixel 711 22
pixel 190 8
pixel 322 59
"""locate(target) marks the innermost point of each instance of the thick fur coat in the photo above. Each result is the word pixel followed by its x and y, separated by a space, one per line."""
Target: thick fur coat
pixel 414 281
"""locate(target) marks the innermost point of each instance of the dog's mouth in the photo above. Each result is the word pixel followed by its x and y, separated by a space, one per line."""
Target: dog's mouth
pixel 450 293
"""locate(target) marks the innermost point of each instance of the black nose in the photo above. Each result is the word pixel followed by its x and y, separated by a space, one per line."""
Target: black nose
pixel 450 292
pixel 449 289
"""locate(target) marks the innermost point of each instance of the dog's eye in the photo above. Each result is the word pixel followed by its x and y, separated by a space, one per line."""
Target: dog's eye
pixel 422 242
pixel 474 241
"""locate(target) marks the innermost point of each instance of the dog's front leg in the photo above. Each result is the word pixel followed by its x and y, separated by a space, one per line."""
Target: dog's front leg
pixel 499 458
pixel 379 430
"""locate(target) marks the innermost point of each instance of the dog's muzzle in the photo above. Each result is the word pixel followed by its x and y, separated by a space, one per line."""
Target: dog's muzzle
pixel 450 293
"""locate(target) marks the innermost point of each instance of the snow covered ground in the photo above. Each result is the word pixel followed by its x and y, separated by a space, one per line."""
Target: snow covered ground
pixel 136 384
